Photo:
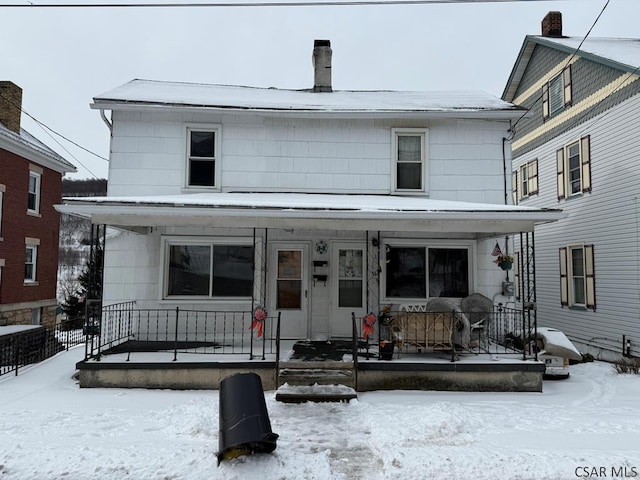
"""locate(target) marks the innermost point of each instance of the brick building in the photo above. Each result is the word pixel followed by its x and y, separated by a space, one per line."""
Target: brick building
pixel 30 184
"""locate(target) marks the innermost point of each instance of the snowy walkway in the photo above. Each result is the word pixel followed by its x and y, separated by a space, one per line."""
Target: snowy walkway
pixel 50 429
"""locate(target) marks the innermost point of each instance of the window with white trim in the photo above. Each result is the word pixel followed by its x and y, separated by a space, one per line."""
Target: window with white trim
pixel 410 159
pixel 30 263
pixel 203 165
pixel 573 163
pixel 577 276
pixel 525 181
pixel 557 93
pixel 33 201
pixel 2 190
pixel 204 269
pixel 421 272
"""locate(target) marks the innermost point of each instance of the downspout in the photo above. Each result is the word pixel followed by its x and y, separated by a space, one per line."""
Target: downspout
pixel 106 121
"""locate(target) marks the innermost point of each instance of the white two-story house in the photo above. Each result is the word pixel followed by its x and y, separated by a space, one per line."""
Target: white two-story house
pixel 314 204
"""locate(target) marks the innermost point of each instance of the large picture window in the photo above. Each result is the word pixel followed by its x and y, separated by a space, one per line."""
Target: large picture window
pixel 414 271
pixel 202 157
pixel 208 270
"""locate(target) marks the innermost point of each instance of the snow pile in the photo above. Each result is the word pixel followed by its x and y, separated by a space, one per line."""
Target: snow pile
pixel 51 429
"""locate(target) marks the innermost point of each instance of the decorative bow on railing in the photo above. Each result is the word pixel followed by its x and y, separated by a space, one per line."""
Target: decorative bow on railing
pixel 368 321
pixel 259 315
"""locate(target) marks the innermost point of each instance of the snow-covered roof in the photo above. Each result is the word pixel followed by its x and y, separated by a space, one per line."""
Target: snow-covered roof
pixel 311 211
pixel 157 93
pixel 28 146
pixel 619 53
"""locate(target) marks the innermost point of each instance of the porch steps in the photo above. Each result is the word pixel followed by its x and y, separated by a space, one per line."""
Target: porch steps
pixel 316 381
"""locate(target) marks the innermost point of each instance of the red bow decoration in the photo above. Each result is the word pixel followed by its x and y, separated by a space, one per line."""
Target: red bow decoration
pixel 368 321
pixel 259 314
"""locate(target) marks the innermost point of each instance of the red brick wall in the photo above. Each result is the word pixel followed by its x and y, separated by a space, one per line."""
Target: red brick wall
pixel 16 225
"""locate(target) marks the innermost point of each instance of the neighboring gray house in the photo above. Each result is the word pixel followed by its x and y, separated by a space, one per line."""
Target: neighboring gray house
pixel 314 203
pixel 578 149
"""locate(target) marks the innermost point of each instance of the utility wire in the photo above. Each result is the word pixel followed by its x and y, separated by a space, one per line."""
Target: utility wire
pixel 284 3
pixel 573 55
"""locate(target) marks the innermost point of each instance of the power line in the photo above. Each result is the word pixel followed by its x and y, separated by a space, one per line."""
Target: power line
pixel 285 3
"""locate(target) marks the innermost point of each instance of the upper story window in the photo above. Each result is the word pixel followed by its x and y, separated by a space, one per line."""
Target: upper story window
pixel 557 93
pixel 409 159
pixel 30 264
pixel 33 201
pixel 2 190
pixel 208 269
pixel 573 163
pixel 203 163
pixel 525 181
pixel 421 272
pixel 577 276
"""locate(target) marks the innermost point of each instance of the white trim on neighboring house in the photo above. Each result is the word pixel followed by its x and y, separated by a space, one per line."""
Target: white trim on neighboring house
pixel 216 130
pixel 167 241
pixel 31 246
pixel 3 189
pixel 423 135
pixel 34 189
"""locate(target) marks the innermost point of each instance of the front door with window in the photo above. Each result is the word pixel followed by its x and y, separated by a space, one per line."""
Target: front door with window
pixel 348 288
pixel 290 288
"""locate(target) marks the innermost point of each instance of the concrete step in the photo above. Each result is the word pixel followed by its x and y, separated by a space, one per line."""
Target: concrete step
pixel 323 364
pixel 315 393
pixel 316 376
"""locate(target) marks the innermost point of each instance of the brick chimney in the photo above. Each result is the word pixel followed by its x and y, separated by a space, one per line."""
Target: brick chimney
pixel 322 66
pixel 10 105
pixel 552 25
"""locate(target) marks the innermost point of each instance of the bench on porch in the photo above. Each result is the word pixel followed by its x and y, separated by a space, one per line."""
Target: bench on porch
pixel 429 327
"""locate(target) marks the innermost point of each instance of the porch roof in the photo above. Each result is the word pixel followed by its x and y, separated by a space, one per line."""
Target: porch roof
pixel 310 211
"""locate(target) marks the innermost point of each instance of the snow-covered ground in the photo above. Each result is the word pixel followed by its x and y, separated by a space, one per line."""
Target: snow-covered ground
pixel 51 429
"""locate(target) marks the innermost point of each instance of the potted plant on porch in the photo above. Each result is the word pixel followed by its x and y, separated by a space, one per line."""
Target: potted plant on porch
pixel 505 261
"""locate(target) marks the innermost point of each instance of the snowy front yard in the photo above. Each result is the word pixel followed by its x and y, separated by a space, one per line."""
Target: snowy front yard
pixel 585 427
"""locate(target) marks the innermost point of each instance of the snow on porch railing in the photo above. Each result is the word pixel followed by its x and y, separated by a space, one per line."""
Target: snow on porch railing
pixel 182 332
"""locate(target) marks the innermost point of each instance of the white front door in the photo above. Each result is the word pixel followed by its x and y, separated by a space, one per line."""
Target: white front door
pixel 348 284
pixel 289 289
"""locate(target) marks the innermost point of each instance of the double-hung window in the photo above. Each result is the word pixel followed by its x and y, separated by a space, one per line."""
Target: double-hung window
pixel 203 162
pixel 30 264
pixel 577 277
pixel 208 269
pixel 525 181
pixel 421 272
pixel 410 160
pixel 557 93
pixel 33 197
pixel 574 168
pixel 2 190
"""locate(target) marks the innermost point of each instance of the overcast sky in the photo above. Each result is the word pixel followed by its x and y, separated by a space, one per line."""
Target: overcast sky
pixel 62 58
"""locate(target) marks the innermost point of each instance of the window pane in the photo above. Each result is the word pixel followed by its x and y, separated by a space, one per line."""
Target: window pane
pixel 31 203
pixel 409 148
pixel 577 273
pixel 575 179
pixel 202 173
pixel 189 270
pixel 289 294
pixel 406 272
pixel 350 263
pixel 448 272
pixel 556 96
pixel 33 184
pixel 290 264
pixel 202 144
pixel 350 293
pixel 409 176
pixel 232 271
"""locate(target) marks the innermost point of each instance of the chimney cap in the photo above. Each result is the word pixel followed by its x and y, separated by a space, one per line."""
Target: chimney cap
pixel 321 43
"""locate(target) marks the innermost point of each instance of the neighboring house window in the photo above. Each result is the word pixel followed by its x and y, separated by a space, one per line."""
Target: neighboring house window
pixel 202 157
pixel 525 181
pixel 33 204
pixel 30 264
pixel 574 168
pixel 412 271
pixel 409 159
pixel 577 276
pixel 36 316
pixel 557 93
pixel 2 190
pixel 208 270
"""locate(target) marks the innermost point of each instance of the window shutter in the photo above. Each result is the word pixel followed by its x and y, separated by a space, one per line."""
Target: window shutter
pixel 590 276
pixel 566 80
pixel 545 101
pixel 533 176
pixel 514 186
pixel 585 158
pixel 560 167
pixel 564 279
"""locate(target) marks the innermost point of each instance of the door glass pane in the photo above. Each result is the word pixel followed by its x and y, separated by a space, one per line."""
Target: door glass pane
pixel 289 283
pixel 350 279
pixel 189 270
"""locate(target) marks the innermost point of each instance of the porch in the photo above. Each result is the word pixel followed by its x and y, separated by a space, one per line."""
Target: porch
pixel 188 349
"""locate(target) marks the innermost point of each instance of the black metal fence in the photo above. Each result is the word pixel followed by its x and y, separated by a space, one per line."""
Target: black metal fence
pixel 33 345
pixel 124 329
